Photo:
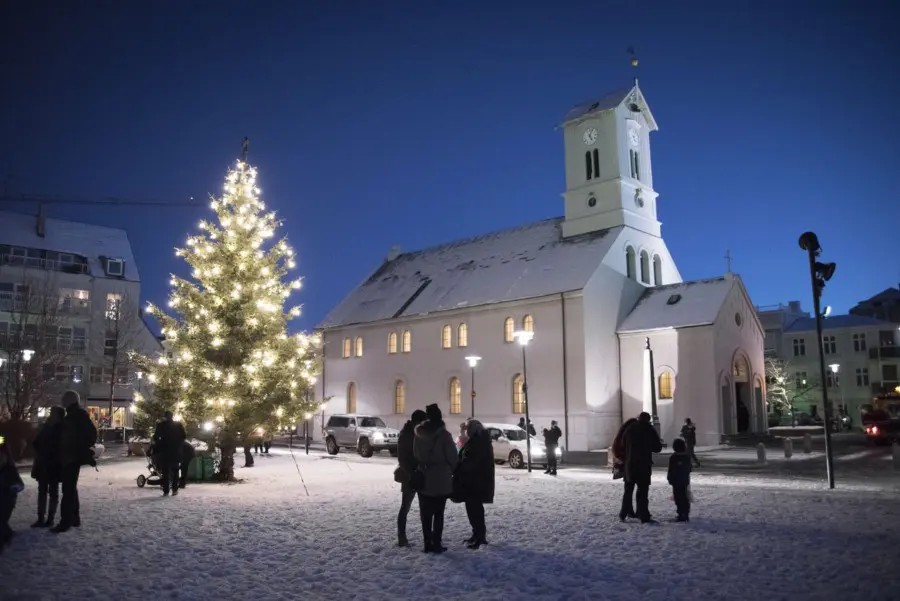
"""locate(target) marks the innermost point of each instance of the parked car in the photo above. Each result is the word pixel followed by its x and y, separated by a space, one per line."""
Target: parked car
pixel 509 441
pixel 366 434
pixel 881 428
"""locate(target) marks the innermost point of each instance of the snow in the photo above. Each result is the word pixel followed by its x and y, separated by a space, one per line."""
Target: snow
pixel 699 304
pixel 324 527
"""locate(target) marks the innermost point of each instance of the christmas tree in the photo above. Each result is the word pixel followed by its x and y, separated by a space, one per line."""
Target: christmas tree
pixel 234 372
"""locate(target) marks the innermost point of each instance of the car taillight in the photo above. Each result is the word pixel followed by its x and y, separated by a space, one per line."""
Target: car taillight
pixel 874 429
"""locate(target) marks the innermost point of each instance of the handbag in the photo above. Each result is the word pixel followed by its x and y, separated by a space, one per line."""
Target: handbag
pixel 401 475
pixel 618 470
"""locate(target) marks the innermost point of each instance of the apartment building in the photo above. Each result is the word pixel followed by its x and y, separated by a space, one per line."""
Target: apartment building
pixel 70 300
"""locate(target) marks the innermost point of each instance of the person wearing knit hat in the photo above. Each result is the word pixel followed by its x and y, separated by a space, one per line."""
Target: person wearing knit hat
pixel 76 448
pixel 436 454
pixel 407 465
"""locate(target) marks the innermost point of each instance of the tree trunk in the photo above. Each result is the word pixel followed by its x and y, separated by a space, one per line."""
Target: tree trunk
pixel 248 456
pixel 226 465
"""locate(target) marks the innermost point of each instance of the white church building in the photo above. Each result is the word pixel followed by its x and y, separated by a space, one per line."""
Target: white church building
pixel 594 286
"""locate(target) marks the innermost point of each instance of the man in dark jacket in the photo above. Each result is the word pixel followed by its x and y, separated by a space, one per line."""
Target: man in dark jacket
pixel 76 448
pixel 168 442
pixel 529 428
pixel 551 441
pixel 641 441
pixel 473 481
pixel 689 434
pixel 437 456
pixel 46 467
pixel 407 460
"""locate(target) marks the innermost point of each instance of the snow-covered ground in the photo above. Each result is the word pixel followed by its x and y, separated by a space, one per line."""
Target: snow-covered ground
pixel 321 527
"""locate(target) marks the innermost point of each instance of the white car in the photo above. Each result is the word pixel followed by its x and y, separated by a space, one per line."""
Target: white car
pixel 509 441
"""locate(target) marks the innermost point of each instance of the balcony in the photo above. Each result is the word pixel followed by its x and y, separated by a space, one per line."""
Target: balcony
pixel 885 352
pixel 20 303
pixel 67 265
pixel 51 345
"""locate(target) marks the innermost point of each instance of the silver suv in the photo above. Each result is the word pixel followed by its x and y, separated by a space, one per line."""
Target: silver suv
pixel 363 433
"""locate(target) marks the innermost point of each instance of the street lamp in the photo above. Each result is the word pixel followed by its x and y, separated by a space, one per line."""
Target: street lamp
pixel 306 417
pixel 27 354
pixel 524 337
pixel 820 273
pixel 837 381
pixel 473 361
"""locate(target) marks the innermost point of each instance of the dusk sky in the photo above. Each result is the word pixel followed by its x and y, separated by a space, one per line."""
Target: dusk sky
pixel 418 123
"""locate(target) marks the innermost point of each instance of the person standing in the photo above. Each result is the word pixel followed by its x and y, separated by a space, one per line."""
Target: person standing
pixel 437 457
pixel 10 486
pixel 46 467
pixel 267 442
pixel 618 461
pixel 187 455
pixel 463 437
pixel 689 434
pixel 76 448
pixel 168 440
pixel 407 461
pixel 551 441
pixel 474 480
pixel 679 477
pixel 641 441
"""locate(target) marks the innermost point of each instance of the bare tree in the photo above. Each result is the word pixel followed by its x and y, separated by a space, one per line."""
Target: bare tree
pixel 122 339
pixel 34 354
pixel 784 388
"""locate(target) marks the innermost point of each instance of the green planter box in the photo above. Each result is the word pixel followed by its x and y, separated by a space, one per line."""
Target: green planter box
pixel 201 468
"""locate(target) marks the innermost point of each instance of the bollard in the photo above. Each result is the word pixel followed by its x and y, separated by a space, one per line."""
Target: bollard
pixel 788 448
pixel 895 452
pixel 807 443
pixel 761 453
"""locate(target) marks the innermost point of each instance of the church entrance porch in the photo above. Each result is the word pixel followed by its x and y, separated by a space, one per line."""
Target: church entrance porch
pixel 741 399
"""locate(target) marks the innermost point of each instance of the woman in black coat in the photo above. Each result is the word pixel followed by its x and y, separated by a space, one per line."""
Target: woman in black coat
pixel 46 467
pixel 474 480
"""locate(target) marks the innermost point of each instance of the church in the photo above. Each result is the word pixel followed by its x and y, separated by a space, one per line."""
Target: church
pixel 597 287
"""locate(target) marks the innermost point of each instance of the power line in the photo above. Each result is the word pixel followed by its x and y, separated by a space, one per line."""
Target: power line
pixel 107 201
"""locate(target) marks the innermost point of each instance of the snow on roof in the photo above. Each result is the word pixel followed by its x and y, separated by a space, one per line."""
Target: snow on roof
pixel 808 324
pixel 606 102
pixel 524 262
pixel 681 305
pixel 89 241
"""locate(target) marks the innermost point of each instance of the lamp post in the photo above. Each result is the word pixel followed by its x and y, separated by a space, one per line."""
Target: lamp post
pixel 654 415
pixel 524 337
pixel 306 417
pixel 473 361
pixel 820 273
pixel 837 381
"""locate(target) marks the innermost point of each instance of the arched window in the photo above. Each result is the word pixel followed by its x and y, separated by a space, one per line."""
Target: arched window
pixel 446 336
pixel 666 385
pixel 657 271
pixel 359 346
pixel 509 327
pixel 455 395
pixel 407 341
pixel 596 156
pixel 588 166
pixel 518 394
pixel 351 397
pixel 630 270
pixel 348 347
pixel 462 335
pixel 392 343
pixel 528 323
pixel 645 267
pixel 399 397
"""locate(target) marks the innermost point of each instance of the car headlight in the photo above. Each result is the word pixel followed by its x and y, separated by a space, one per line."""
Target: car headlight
pixel 537 451
pixel 378 436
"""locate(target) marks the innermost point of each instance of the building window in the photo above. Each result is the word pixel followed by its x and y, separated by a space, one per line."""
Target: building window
pixel 392 343
pixel 831 379
pixel 351 397
pixel 358 347
pixel 859 342
pixel 799 347
pixel 399 397
pixel 657 271
pixel 528 323
pixel 462 335
pixel 115 267
pixel 62 374
pixel 407 341
pixel 635 164
pixel 446 336
pixel 96 375
pixel 862 376
pixel 645 267
pixel 665 385
pixel 829 344
pixel 800 380
pixel 630 269
pixel 347 348
pixel 509 327
pixel 595 154
pixel 77 373
pixel 72 300
pixel 588 166
pixel 518 394
pixel 455 396
pixel 113 305
pixel 110 345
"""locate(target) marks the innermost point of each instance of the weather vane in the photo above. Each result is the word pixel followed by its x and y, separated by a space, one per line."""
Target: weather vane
pixel 634 61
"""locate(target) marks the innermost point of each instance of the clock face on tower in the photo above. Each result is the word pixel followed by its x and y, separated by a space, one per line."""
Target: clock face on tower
pixel 633 137
pixel 589 136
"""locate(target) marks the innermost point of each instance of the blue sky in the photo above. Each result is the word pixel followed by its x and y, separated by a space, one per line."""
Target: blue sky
pixel 416 123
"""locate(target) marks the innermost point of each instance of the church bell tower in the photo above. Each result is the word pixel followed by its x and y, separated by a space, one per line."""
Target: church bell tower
pixel 609 178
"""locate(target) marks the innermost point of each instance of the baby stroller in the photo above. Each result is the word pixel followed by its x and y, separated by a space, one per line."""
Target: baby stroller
pixel 155 477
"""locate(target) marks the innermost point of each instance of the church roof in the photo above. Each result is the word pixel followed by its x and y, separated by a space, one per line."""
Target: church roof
pixel 528 261
pixel 606 102
pixel 808 324
pixel 683 305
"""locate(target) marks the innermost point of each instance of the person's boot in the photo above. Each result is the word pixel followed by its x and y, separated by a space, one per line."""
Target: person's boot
pixel 437 535
pixel 40 523
pixel 427 536
pixel 61 527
